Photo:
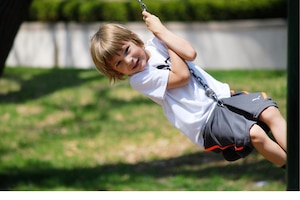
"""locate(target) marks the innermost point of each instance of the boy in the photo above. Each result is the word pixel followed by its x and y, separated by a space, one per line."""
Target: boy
pixel 202 108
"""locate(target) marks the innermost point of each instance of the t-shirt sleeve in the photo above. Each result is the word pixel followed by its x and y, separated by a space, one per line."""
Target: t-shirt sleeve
pixel 159 45
pixel 151 82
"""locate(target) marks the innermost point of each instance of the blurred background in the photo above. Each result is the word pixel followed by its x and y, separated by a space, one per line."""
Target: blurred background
pixel 63 126
pixel 241 34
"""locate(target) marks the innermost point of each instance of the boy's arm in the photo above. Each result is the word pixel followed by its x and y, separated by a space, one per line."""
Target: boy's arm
pixel 179 45
pixel 179 74
pixel 179 50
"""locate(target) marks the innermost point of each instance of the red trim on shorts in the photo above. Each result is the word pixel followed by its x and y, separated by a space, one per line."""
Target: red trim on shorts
pixel 224 147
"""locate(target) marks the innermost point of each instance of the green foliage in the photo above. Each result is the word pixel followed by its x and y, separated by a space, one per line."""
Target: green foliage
pixel 114 12
pixel 90 11
pixel 46 10
pixel 71 11
pixel 172 10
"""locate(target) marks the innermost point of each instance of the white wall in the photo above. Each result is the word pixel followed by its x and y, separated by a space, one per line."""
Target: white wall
pixel 227 45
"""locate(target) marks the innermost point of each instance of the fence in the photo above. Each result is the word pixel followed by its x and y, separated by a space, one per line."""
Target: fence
pixel 220 45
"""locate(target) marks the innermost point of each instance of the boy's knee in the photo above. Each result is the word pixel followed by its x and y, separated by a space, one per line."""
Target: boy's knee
pixel 269 113
pixel 257 134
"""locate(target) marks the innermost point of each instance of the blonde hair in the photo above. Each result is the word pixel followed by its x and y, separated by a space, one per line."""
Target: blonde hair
pixel 106 43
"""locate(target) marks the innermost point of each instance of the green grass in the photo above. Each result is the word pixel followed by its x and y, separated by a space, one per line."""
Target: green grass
pixel 69 129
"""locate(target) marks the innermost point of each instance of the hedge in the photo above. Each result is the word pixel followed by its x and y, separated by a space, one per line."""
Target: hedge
pixel 168 10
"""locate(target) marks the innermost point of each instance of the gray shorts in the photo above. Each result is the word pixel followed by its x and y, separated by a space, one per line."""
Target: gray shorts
pixel 228 127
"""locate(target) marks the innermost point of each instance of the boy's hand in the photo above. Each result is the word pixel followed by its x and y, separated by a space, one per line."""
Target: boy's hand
pixel 173 42
pixel 153 23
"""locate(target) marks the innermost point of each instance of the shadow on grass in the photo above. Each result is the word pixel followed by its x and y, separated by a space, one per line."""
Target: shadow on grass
pixel 111 176
pixel 46 81
pixel 43 82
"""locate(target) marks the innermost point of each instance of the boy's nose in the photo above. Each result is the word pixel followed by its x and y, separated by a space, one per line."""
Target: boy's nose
pixel 128 60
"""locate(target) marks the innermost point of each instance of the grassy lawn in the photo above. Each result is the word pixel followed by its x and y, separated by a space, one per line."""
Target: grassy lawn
pixel 69 129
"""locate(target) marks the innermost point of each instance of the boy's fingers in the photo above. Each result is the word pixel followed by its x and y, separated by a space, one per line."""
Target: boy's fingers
pixel 145 13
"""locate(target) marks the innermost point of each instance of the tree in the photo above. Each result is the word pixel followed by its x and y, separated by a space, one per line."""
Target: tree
pixel 12 14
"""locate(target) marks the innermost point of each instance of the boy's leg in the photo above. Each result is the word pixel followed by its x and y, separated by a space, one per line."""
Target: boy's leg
pixel 274 120
pixel 262 108
pixel 266 146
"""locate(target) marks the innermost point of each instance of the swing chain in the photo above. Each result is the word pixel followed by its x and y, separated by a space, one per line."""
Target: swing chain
pixel 143 6
pixel 208 91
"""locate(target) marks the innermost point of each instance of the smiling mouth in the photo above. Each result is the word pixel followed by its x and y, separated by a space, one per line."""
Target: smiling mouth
pixel 136 64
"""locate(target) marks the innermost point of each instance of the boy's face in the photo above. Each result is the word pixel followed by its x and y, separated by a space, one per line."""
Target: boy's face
pixel 130 59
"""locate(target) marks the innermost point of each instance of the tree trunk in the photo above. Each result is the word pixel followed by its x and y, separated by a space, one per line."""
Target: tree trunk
pixel 12 14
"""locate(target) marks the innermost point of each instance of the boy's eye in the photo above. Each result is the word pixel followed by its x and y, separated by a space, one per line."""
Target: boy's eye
pixel 127 49
pixel 118 63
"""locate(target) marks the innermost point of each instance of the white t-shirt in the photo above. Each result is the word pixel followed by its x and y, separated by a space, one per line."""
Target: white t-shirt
pixel 187 107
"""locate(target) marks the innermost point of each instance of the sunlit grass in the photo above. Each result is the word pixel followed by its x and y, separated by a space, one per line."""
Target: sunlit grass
pixel 69 129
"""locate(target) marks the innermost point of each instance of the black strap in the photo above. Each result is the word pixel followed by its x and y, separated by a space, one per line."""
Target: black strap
pixel 208 91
